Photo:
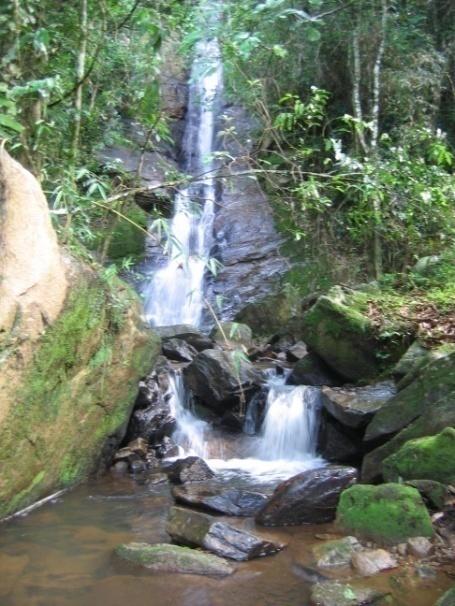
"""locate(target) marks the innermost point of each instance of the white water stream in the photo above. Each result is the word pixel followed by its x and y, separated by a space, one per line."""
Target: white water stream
pixel 286 443
pixel 174 295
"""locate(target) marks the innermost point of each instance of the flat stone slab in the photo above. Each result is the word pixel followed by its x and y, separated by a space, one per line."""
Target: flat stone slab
pixel 230 501
pixel 199 529
pixel 163 557
pixel 355 407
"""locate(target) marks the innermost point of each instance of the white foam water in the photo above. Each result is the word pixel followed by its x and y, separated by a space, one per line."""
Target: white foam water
pixel 174 295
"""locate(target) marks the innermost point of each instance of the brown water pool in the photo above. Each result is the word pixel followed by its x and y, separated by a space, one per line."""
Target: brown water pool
pixel 62 555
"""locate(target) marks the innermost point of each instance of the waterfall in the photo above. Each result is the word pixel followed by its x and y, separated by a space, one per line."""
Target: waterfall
pixel 174 294
pixel 289 430
pixel 191 433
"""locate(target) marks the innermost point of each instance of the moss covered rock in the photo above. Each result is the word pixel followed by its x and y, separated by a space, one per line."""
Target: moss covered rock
pixel 269 316
pixel 438 416
pixel 448 599
pixel 232 331
pixel 174 559
pixel 427 458
pixel 129 234
pixel 388 514
pixel 434 382
pixel 71 391
pixel 346 339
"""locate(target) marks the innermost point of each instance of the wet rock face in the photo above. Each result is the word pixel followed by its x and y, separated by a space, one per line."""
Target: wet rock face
pixel 355 407
pixel 247 243
pixel 173 559
pixel 152 418
pixel 312 370
pixel 191 469
pixel 191 335
pixel 194 528
pixel 308 498
pixel 178 350
pixel 230 501
pixel 217 380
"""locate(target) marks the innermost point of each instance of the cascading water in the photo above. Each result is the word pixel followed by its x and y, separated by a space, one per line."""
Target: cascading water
pixel 174 295
pixel 285 444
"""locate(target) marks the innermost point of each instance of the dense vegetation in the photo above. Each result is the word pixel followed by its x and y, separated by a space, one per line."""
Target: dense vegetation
pixel 354 102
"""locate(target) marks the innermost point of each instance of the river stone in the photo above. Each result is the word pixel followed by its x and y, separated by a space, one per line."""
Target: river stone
pixel 230 501
pixel 436 381
pixel 296 352
pixel 355 406
pixel 448 599
pixel 190 334
pixel 372 561
pixel 334 593
pixel 232 331
pixel 179 350
pixel 433 493
pixel 387 514
pixel 336 443
pixel 310 497
pixel 419 547
pixel 217 378
pixel 336 553
pixel 194 528
pixel 427 458
pixel 312 370
pixel 191 469
pixel 174 559
pixel 435 419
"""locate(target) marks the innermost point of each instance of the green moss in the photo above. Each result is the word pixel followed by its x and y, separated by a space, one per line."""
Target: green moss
pixel 76 394
pixel 389 513
pixel 128 237
pixel 428 458
pixel 347 339
pixel 448 599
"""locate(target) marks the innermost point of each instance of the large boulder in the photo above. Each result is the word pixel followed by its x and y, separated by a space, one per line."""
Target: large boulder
pixel 435 381
pixel 346 339
pixel 436 418
pixel 199 529
pixel 355 406
pixel 310 497
pixel 270 315
pixel 230 501
pixel 218 378
pixel 70 359
pixel 190 334
pixel 312 370
pixel 166 558
pixel 178 350
pixel 190 469
pixel 235 332
pixel 428 458
pixel 388 514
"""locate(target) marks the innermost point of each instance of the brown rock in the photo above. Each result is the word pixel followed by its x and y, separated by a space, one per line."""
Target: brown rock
pixel 372 561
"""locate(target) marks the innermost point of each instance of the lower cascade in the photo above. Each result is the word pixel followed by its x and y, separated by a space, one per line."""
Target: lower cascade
pixel 285 443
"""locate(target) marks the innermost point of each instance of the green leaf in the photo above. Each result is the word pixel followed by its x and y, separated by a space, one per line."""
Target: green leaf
pixel 11 123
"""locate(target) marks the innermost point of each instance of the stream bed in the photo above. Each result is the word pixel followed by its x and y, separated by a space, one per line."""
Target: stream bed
pixel 62 554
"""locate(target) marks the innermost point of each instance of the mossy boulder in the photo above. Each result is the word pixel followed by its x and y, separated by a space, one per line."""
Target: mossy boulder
pixel 232 331
pixel 269 316
pixel 346 339
pixel 129 234
pixel 72 390
pixel 436 418
pixel 388 514
pixel 435 381
pixel 428 458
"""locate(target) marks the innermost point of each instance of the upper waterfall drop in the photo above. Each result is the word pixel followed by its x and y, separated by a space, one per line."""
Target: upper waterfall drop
pixel 175 294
